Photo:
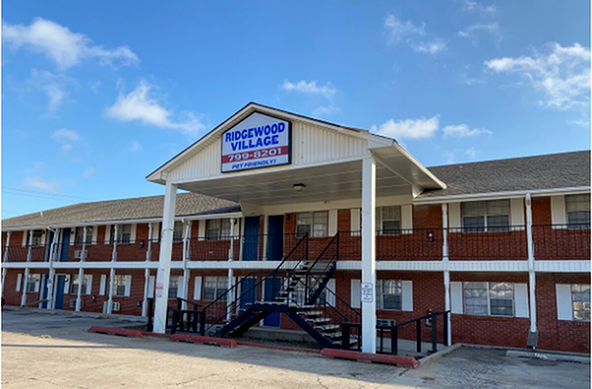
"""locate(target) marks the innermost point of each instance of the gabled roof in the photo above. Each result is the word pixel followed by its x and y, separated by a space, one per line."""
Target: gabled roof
pixel 537 173
pixel 243 113
pixel 188 204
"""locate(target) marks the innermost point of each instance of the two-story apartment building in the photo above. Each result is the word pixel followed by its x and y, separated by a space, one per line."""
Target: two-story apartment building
pixel 503 245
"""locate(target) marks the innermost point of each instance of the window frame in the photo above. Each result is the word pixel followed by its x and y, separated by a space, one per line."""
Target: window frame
pixel 174 287
pixel 485 216
pixel 221 287
pixel 315 216
pixel 74 284
pixel 178 231
pixel 489 298
pixel 573 203
pixel 380 220
pixel 37 241
pixel 217 233
pixel 380 294
pixel 573 302
pixel 35 280
pixel 78 238
pixel 119 282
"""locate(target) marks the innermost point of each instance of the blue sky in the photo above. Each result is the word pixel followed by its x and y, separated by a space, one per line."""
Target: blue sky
pixel 96 95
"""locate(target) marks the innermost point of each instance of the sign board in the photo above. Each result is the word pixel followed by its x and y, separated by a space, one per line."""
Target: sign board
pixel 256 142
pixel 366 288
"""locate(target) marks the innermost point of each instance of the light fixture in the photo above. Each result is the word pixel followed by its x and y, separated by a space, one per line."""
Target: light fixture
pixel 299 187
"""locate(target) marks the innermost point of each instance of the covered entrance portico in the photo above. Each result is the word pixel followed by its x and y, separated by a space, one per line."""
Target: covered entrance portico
pixel 321 166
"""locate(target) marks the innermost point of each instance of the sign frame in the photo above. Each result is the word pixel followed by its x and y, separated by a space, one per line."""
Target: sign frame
pixel 289 137
pixel 366 292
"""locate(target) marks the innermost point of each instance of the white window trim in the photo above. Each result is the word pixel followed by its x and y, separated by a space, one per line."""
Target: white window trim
pixel 489 299
pixel 485 215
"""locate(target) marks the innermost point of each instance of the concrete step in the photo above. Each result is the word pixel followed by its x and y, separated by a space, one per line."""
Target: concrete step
pixel 327 328
pixel 318 320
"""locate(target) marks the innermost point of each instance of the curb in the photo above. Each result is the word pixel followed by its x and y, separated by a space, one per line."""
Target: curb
pixel 439 354
pixel 278 347
pixel 359 356
pixel 204 340
pixel 115 331
pixel 548 356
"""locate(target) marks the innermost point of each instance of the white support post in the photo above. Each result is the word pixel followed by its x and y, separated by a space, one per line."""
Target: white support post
pixel 369 254
pixel 446 272
pixel 146 283
pixel 230 270
pixel 30 244
pixel 50 288
pixel 115 238
pixel 111 285
pixel 4 270
pixel 186 256
pixel 161 291
pixel 81 271
pixel 24 295
pixel 149 249
pixel 6 249
pixel 531 272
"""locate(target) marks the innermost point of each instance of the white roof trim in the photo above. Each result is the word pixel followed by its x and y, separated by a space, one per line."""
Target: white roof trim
pixel 493 195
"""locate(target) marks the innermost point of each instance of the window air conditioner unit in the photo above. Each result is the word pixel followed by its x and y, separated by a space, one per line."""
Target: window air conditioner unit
pixel 386 322
pixel 78 254
pixel 116 307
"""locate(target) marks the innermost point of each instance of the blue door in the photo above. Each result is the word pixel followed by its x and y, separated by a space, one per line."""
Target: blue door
pixel 65 246
pixel 272 290
pixel 59 292
pixel 248 292
pixel 275 238
pixel 251 239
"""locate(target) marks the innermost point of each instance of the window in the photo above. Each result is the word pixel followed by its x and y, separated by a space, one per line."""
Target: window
pixel 218 229
pixel 80 235
pixel 486 216
pixel 578 210
pixel 312 223
pixel 178 232
pixel 33 281
pixel 388 220
pixel 37 238
pixel 389 295
pixel 173 287
pixel 214 287
pixel 489 298
pixel 580 298
pixel 86 281
pixel 119 285
pixel 124 233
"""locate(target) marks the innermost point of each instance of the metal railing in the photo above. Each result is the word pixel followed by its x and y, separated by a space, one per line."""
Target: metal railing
pixel 488 244
pixel 431 321
pixel 561 241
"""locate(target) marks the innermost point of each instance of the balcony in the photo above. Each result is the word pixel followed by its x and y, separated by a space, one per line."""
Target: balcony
pixel 561 241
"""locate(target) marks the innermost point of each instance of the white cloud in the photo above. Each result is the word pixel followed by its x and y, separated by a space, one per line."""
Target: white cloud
pixel 472 31
pixel 408 129
pixel 580 122
pixel 471 152
pixel 463 131
pixel 62 46
pixel 39 183
pixel 326 111
pixel 65 137
pixel 53 85
pixel 311 87
pixel 433 47
pixel 88 172
pixel 562 74
pixel 398 30
pixel 473 6
pixel 140 104
pixel 135 146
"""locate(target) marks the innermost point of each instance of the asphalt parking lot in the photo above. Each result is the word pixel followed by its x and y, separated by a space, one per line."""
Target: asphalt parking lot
pixel 42 350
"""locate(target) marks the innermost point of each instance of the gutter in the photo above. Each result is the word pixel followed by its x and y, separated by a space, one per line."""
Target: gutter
pixel 504 194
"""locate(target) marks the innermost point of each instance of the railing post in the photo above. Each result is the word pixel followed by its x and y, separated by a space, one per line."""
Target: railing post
pixel 394 340
pixel 202 324
pixel 445 329
pixel 434 333
pixel 150 314
pixel 345 336
pixel 174 323
pixel 418 334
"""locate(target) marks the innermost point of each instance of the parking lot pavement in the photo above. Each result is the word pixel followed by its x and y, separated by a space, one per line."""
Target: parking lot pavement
pixel 41 350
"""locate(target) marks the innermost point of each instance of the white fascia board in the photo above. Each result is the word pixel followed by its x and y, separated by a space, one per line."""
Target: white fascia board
pixel 424 169
pixel 561 266
pixel 505 195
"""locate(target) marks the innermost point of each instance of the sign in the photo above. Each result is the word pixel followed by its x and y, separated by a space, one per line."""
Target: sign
pixel 367 289
pixel 256 142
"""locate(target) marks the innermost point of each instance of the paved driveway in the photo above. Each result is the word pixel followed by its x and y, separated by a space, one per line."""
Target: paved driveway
pixel 41 350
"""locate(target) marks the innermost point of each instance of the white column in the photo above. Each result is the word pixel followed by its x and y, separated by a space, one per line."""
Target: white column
pixel 115 238
pixel 149 250
pixel 3 281
pixel 186 256
pixel 446 272
pixel 81 270
pixel 161 291
pixel 6 248
pixel 24 295
pixel 111 284
pixel 531 273
pixel 369 253
pixel 230 270
pixel 146 283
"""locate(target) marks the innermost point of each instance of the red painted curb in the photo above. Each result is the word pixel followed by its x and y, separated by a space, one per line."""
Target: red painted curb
pixel 277 347
pixel 116 331
pixel 369 357
pixel 203 340
pixel 156 335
